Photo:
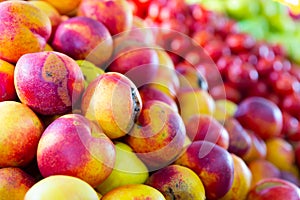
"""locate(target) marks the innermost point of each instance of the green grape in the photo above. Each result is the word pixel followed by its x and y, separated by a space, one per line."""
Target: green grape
pixel 258 27
pixel 241 9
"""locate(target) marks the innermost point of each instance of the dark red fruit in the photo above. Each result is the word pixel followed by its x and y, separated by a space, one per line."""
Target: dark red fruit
pixel 239 42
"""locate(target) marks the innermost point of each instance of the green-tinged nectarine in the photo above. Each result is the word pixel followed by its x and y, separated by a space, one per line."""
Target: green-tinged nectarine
pixel 61 187
pixel 134 191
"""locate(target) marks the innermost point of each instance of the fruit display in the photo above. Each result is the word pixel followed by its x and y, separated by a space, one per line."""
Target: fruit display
pixel 147 100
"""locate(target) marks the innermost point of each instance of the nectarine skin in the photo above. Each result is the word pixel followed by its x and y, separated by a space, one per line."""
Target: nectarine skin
pixel 51 12
pixel 281 153
pixel 213 164
pixel 189 77
pixel 194 101
pixel 115 15
pixel 14 183
pixel 48 82
pixel 64 7
pixel 239 139
pixel 261 116
pixel 158 136
pixel 84 38
pixel 262 169
pixel 26 30
pixel 61 187
pixel 134 191
pixel 137 62
pixel 165 79
pixel 205 127
pixel 74 146
pixel 258 148
pixel 7 88
pixel 20 132
pixel 241 181
pixel 149 93
pixel 113 101
pixel 275 189
pixel 177 182
pixel 297 155
pixel 140 32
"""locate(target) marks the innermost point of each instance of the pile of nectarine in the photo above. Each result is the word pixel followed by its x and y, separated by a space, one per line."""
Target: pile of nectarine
pixel 142 100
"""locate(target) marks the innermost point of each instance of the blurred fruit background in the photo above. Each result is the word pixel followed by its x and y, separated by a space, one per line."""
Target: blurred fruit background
pixel 268 20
